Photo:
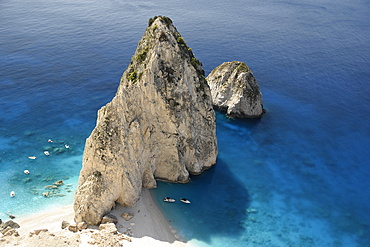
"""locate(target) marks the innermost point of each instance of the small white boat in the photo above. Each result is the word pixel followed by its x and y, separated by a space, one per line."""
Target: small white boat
pixel 50 140
pixel 32 157
pixel 46 153
pixel 169 199
pixel 12 194
pixel 184 200
pixel 26 171
pixel 67 146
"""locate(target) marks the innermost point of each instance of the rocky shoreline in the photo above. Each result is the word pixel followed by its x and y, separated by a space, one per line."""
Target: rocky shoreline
pixel 141 225
pixel 106 235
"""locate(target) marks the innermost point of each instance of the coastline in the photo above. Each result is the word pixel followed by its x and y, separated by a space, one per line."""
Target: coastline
pixel 148 226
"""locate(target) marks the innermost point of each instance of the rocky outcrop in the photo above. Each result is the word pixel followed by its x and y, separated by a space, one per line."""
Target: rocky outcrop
pixel 106 235
pixel 159 125
pixel 8 223
pixel 8 228
pixel 235 90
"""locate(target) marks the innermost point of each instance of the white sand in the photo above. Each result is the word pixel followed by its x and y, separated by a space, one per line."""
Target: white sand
pixel 148 227
pixel 51 220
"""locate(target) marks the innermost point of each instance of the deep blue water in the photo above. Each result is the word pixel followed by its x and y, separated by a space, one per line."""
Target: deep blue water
pixel 297 177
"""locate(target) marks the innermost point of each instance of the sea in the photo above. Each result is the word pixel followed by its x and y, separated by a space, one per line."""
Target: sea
pixel 299 176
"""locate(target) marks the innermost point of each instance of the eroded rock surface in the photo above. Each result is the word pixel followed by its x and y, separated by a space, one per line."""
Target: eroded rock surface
pixel 159 125
pixel 235 90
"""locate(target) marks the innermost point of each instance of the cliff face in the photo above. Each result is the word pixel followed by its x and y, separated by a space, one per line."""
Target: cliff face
pixel 159 125
pixel 235 90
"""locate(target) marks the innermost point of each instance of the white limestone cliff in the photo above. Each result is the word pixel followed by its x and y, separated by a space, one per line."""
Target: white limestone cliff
pixel 235 90
pixel 159 125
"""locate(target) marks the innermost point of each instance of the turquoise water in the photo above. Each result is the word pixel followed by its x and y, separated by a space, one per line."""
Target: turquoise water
pixel 297 177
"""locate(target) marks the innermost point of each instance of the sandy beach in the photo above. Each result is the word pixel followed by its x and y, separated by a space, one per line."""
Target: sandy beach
pixel 148 227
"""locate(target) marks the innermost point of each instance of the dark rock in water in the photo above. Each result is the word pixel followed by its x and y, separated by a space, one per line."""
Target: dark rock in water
pixel 28 133
pixel 59 150
pixel 159 125
pixel 127 216
pixel 109 218
pixel 48 178
pixel 58 183
pixel 235 90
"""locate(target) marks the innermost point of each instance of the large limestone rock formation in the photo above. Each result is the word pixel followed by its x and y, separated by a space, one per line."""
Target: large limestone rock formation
pixel 159 125
pixel 235 90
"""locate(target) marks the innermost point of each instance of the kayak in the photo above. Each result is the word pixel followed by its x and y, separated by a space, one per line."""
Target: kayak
pixel 184 200
pixel 169 199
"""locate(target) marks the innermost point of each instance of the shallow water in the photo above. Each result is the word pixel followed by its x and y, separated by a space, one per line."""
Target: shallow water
pixel 296 177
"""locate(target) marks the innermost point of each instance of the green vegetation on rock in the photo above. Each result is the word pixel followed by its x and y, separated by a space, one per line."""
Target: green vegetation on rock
pixel 132 76
pixel 166 20
pixel 140 57
pixel 181 41
pixel 242 67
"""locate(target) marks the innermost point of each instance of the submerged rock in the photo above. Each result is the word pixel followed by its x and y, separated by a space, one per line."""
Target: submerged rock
pixel 235 90
pixel 159 125
pixel 127 216
pixel 58 183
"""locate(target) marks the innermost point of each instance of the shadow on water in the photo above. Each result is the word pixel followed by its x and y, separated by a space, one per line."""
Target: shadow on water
pixel 218 204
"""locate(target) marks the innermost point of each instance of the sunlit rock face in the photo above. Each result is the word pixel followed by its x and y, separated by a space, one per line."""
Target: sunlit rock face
pixel 159 125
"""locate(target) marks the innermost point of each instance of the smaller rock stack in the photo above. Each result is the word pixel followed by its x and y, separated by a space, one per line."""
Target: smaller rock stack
pixel 235 90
